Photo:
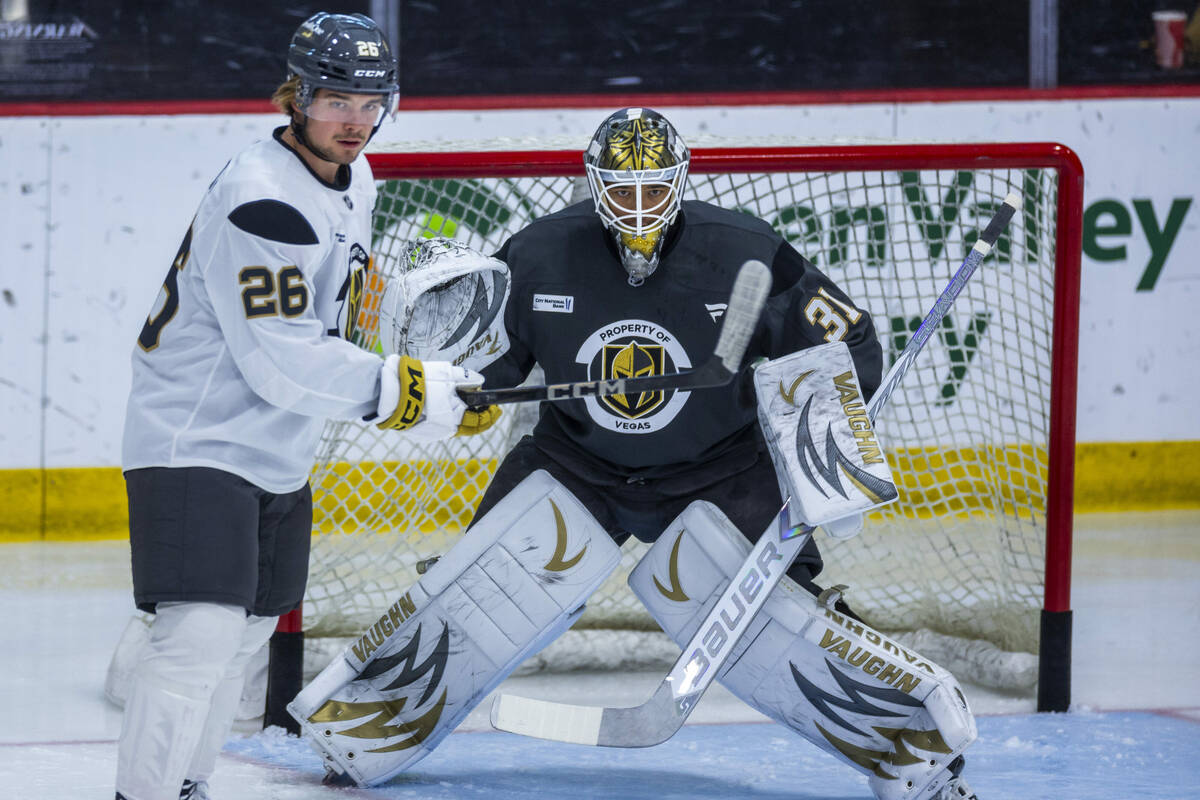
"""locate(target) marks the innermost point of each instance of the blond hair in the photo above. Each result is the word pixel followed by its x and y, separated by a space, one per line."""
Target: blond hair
pixel 285 95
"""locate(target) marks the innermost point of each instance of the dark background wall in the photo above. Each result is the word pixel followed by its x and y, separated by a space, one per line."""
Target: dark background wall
pixel 232 49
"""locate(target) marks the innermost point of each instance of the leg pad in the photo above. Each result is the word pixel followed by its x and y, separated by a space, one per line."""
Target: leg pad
pixel 887 711
pixel 511 585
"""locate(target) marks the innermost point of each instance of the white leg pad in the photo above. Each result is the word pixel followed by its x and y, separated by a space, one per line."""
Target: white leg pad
pixel 190 647
pixel 886 710
pixel 515 582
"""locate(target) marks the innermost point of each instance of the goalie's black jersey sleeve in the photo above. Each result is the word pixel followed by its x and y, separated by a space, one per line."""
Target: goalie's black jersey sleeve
pixel 573 311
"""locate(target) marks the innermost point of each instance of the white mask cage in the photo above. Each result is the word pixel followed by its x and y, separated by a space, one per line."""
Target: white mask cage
pixel 638 220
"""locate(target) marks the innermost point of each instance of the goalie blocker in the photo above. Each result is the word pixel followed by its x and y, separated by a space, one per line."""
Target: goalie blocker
pixel 814 419
pixel 885 710
pixel 511 586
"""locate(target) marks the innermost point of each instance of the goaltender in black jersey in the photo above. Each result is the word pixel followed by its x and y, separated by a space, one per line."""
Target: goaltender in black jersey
pixel 634 282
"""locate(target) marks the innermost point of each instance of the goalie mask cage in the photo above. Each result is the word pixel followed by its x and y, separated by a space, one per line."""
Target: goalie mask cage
pixel 976 553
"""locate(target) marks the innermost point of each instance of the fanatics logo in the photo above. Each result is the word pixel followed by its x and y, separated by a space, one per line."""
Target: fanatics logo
pixel 557 303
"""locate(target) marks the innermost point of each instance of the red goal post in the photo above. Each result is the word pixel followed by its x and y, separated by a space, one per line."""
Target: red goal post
pixel 1003 484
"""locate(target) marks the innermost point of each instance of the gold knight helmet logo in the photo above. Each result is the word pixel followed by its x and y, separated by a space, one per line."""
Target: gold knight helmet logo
pixel 633 359
pixel 627 350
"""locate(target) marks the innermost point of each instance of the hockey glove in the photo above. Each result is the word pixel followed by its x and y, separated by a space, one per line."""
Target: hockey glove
pixel 421 397
pixel 478 420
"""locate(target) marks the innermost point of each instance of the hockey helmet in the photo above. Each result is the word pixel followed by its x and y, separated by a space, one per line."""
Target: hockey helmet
pixel 345 53
pixel 632 149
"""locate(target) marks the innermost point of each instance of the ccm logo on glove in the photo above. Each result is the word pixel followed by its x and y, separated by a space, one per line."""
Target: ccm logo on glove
pixel 412 390
pixel 421 398
pixel 409 384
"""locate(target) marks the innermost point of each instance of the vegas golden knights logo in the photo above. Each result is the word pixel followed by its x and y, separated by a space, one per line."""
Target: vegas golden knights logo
pixel 633 359
pixel 628 349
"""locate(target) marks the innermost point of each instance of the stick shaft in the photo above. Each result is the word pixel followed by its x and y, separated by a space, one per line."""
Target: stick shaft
pixel 746 301
pixel 942 305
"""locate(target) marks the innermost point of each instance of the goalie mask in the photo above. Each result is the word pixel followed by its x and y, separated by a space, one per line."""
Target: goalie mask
pixel 636 167
pixel 445 302
pixel 345 53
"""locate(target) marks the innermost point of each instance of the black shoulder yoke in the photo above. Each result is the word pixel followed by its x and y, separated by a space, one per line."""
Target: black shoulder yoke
pixel 274 220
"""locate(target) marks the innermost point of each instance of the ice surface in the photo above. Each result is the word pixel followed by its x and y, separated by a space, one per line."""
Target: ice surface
pixel 1134 731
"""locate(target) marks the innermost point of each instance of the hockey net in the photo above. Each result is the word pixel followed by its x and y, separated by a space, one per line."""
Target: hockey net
pixel 980 434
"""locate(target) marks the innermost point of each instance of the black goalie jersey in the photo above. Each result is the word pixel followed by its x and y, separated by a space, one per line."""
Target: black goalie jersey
pixel 572 311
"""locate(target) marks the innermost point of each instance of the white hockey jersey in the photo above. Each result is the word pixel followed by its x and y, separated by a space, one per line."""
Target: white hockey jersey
pixel 245 352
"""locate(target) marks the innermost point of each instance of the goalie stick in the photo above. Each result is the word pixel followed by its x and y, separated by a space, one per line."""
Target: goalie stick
pixel 746 301
pixel 657 719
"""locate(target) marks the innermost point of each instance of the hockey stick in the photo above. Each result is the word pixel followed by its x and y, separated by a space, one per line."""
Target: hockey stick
pixel 657 719
pixel 746 301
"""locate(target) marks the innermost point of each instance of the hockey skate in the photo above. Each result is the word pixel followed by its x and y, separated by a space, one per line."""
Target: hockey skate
pixel 191 790
pixel 194 790
pixel 956 788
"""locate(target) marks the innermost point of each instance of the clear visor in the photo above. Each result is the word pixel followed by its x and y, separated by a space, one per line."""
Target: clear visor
pixel 637 202
pixel 353 109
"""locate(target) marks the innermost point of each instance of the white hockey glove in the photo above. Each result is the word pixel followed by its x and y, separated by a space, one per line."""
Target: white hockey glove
pixel 421 398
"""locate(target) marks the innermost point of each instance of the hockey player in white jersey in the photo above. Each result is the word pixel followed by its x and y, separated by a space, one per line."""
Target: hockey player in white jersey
pixel 246 352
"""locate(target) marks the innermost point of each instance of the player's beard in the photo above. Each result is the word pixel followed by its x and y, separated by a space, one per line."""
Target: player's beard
pixel 334 153
pixel 330 153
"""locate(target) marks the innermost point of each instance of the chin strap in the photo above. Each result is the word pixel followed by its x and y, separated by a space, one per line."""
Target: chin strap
pixel 298 127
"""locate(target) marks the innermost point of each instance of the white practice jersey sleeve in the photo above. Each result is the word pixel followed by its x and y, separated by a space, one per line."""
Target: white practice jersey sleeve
pixel 246 351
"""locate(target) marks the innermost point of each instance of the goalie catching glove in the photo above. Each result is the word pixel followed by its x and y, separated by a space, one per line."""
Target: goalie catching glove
pixel 445 302
pixel 425 394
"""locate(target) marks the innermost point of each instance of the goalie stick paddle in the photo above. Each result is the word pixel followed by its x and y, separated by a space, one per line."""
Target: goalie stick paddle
pixel 746 301
pixel 657 719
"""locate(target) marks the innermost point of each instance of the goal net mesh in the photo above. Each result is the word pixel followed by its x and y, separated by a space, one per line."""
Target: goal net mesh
pixel 961 554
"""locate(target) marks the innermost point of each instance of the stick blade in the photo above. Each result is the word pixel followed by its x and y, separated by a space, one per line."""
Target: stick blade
pixel 542 719
pixel 750 290
pixel 651 723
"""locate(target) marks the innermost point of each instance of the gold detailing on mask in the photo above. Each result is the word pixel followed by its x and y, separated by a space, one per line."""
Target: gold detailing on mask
pixel 637 146
pixel 646 244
